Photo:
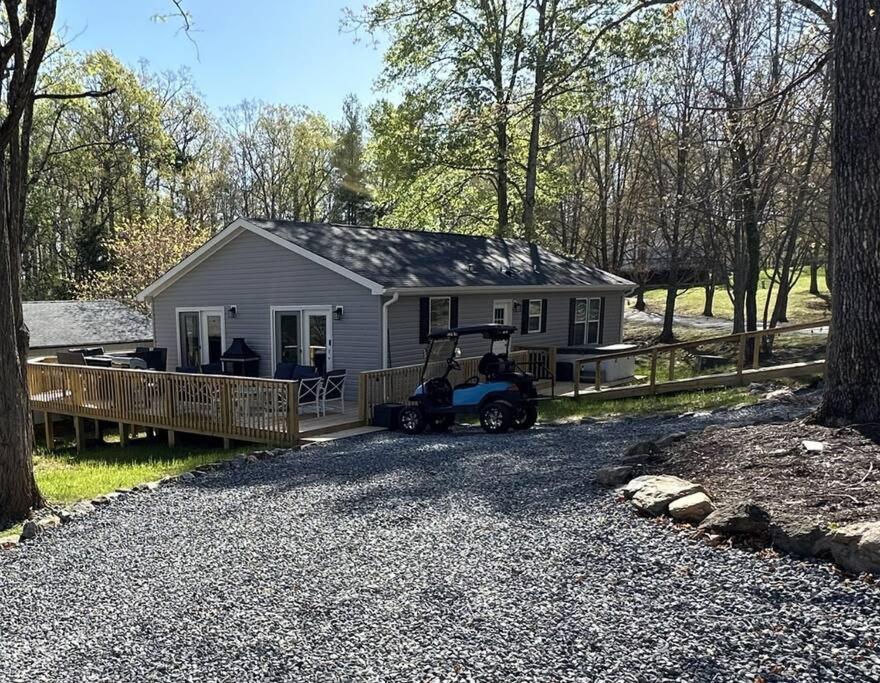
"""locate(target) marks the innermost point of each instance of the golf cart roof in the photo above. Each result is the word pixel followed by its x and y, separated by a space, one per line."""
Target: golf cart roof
pixel 488 331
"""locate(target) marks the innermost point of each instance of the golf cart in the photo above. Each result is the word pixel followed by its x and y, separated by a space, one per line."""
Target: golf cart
pixel 506 399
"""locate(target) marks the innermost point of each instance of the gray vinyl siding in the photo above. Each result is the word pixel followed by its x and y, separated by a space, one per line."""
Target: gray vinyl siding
pixel 474 309
pixel 255 274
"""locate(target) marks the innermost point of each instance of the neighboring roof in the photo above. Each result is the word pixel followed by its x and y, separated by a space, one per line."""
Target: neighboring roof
pixel 55 324
pixel 385 259
pixel 408 258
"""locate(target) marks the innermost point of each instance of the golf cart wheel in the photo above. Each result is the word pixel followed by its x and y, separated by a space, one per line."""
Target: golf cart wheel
pixel 441 423
pixel 525 415
pixel 411 420
pixel 496 417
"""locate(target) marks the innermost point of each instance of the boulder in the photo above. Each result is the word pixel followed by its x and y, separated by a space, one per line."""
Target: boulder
pixel 642 459
pixel 812 446
pixel 615 475
pixel 784 395
pixel 692 508
pixel 855 547
pixel 8 542
pixel 29 530
pixel 84 507
pixel 106 498
pixel 641 448
pixel 796 536
pixel 669 439
pixel 186 476
pixel 743 517
pixel 50 522
pixel 147 487
pixel 652 494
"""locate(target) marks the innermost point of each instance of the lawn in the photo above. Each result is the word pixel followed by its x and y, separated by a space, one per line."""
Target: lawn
pixel 564 409
pixel 66 477
pixel 802 306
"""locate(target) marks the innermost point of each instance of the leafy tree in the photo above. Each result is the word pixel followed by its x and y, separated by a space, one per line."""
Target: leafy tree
pixel 351 194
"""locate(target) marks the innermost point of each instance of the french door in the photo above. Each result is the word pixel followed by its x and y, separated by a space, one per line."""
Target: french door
pixel 202 336
pixel 303 336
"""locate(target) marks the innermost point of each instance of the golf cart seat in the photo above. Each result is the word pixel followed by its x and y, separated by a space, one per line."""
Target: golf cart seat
pixel 493 366
pixel 439 391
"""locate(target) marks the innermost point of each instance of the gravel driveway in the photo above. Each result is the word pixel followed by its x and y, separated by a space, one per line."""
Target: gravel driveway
pixel 457 557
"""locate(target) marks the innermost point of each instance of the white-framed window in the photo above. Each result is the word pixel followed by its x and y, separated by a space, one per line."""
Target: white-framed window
pixel 536 313
pixel 201 336
pixel 502 312
pixel 439 313
pixel 587 315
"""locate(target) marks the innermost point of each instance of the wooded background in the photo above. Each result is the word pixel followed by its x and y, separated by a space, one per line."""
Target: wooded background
pixel 676 143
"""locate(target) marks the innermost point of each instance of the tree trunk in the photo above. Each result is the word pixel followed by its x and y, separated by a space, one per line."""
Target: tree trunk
pixel 814 277
pixel 640 299
pixel 852 377
pixel 709 302
pixel 529 198
pixel 501 179
pixel 667 334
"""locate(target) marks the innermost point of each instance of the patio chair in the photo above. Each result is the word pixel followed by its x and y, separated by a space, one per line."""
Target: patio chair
pixel 333 389
pixel 89 351
pixel 305 372
pixel 284 371
pixel 310 393
pixel 212 368
pixel 98 362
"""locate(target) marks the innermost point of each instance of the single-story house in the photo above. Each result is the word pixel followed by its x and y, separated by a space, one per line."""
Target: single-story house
pixel 362 298
pixel 60 325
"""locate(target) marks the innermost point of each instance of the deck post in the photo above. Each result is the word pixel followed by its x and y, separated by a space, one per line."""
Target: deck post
pixel 654 372
pixel 598 384
pixel 123 434
pixel 293 413
pixel 672 365
pixel 756 352
pixel 79 428
pixel 741 358
pixel 49 430
pixel 227 443
pixel 576 376
pixel 172 438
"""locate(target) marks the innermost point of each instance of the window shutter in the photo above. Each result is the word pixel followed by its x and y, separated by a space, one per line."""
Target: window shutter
pixel 572 311
pixel 602 320
pixel 424 319
pixel 524 328
pixel 453 311
pixel 543 315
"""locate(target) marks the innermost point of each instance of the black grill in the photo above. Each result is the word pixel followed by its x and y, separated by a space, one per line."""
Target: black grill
pixel 240 359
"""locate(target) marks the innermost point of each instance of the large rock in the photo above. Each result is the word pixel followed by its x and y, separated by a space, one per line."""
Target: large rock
pixel 744 517
pixel 8 542
pixel 641 448
pixel 652 494
pixel 796 536
pixel 693 508
pixel 784 395
pixel 615 475
pixel 29 530
pixel 855 547
pixel 669 439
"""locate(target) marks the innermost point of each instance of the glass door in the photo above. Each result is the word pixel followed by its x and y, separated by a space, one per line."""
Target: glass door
pixel 318 340
pixel 190 339
pixel 212 323
pixel 287 324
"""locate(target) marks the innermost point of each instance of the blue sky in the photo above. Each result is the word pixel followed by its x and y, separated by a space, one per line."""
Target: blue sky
pixel 284 51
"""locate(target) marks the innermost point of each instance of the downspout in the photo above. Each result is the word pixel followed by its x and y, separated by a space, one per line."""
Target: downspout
pixel 385 307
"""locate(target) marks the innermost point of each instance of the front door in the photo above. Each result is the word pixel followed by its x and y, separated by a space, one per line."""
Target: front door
pixel 502 314
pixel 201 337
pixel 304 336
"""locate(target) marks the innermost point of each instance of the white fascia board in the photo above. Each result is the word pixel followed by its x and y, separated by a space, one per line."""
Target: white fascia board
pixel 226 235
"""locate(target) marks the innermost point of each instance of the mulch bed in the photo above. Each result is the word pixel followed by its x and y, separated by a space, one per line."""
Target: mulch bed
pixel 769 465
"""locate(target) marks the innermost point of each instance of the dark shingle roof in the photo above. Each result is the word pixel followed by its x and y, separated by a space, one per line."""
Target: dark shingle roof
pixel 407 258
pixel 84 323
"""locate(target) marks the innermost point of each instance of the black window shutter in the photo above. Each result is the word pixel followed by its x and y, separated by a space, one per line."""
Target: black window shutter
pixel 424 319
pixel 524 328
pixel 602 320
pixel 543 315
pixel 572 311
pixel 453 311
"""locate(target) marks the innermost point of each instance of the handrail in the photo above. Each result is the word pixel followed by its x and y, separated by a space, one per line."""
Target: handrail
pixel 658 349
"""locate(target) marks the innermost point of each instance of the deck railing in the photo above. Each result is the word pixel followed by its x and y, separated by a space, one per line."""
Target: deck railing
pixel 242 408
pixel 745 364
pixel 396 385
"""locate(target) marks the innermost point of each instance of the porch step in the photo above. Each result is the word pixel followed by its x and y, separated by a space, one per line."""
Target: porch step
pixel 343 434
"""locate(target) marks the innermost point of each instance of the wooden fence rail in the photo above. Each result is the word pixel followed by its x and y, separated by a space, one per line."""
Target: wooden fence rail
pixel 747 342
pixel 242 408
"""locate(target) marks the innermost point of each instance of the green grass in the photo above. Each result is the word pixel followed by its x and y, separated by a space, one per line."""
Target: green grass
pixel 567 409
pixel 802 306
pixel 66 477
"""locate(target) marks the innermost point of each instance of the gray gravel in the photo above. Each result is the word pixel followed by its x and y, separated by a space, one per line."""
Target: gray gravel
pixel 457 557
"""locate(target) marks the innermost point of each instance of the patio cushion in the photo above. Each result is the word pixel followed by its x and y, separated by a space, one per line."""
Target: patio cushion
pixel 304 372
pixel 284 371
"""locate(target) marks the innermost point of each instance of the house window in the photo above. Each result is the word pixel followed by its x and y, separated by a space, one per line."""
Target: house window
pixel 439 313
pixel 587 314
pixel 535 313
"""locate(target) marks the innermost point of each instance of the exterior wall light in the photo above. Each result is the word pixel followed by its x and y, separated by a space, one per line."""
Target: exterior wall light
pixel 337 313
